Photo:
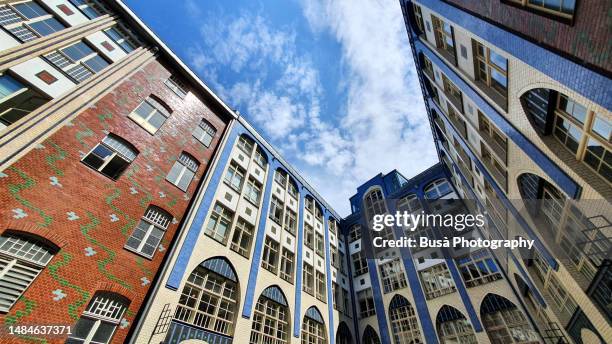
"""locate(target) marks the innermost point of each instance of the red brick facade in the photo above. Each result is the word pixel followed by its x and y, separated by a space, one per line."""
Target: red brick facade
pixel 50 193
pixel 586 39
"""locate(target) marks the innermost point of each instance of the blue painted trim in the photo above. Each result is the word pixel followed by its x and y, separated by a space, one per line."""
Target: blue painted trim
pixel 330 300
pixel 349 265
pixel 299 267
pixel 565 182
pixel 247 309
pixel 584 81
pixel 381 313
pixel 502 196
pixel 197 225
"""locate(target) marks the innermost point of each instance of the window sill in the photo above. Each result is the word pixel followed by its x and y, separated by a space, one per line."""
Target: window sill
pixel 176 186
pixel 149 129
pixel 127 248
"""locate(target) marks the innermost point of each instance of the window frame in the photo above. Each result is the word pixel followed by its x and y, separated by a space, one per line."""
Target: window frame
pixel 157 108
pixel 111 157
pixel 184 168
pixel 151 226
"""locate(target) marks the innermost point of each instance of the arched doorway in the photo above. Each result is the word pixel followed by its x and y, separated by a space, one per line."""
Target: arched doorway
pixel 453 327
pixel 370 336
pixel 504 322
pixel 343 336
pixel 404 325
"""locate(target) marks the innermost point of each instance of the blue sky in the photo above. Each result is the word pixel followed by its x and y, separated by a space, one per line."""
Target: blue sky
pixel 330 83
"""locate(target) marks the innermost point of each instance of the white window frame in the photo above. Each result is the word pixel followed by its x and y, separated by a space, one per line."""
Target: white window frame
pixel 155 218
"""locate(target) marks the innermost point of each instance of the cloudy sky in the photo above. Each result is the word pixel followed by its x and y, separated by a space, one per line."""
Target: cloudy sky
pixel 330 83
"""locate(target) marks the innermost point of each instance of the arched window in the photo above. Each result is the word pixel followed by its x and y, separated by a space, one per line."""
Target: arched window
pixel 99 321
pixel 409 204
pixel 111 156
pixel 22 258
pixel 313 327
pixel 270 318
pixel 453 327
pixel 204 132
pixel 210 297
pixel 370 336
pixel 343 335
pixel 404 325
pixel 260 158
pixel 374 203
pixel 245 144
pixel 151 114
pixel 149 232
pixel 504 322
pixel 437 189
pixel 183 171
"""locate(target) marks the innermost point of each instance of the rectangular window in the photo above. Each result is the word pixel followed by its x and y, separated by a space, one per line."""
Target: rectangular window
pixel 347 303
pixel 150 115
pixel 290 224
pixel 177 86
pixel 341 263
pixel 17 100
pixel 219 223
pixel 354 233
pixel 334 257
pixel 319 244
pixel 260 159
pixel 245 145
pixel 478 268
pixel 321 290
pixel 308 279
pixel 183 171
pixel 149 232
pixel 392 275
pixel 91 9
pixel 276 210
pixel 121 36
pixel 292 190
pixel 308 236
pixel 445 40
pixel 253 191
pixel 418 15
pixel 280 178
pixel 234 176
pixel 453 93
pixel 111 156
pixel 269 260
pixel 204 133
pixel 242 238
pixel 286 267
pixel 360 264
pixel 336 300
pixel 491 69
pixel 365 300
pixel 28 21
pixel 436 281
pixel 80 61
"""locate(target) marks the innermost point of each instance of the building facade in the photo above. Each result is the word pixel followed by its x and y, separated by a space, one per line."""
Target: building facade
pixel 105 139
pixel 517 93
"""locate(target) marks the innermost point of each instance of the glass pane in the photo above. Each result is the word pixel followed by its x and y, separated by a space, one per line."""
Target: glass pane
pixel 175 172
pixel 82 328
pixel 157 119
pixel 8 85
pixel 115 167
pixel 498 60
pixel 104 333
pixel 96 63
pixel 31 9
pixel 47 26
pixel 77 51
pixel 602 127
pixel 97 157
pixel 144 109
pixel 185 180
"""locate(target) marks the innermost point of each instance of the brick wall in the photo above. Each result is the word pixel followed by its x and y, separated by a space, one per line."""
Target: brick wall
pixel 586 39
pixel 51 193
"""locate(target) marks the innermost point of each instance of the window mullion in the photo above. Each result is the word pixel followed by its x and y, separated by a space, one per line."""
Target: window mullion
pixel 92 332
pixel 146 236
pixel 108 159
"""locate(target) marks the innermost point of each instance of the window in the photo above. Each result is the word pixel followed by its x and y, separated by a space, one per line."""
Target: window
pixel 365 300
pixel 292 190
pixel 80 61
pixel 341 262
pixel 149 232
pixel 219 223
pixel 290 224
pixel 319 244
pixel 445 39
pixel 563 9
pixel 308 279
pixel 360 264
pixel 234 176
pixel 336 301
pixel 332 226
pixel 374 203
pixel 493 136
pixel 16 100
pixel 418 15
pixel 437 189
pixel 111 156
pixel 504 322
pixel 270 322
pixel 478 268
pixel 321 290
pixel 310 205
pixel 150 115
pixel 404 325
pixel 286 265
pixel 204 132
pixel 281 178
pixel 28 21
pixel 253 191
pixel 308 236
pixel 260 158
pixel 456 330
pixel 183 171
pixel 392 275
pixel 491 68
pixel 453 93
pixel 209 300
pixel 276 210
pixel 436 281
pixel 21 260
pixel 99 321
pixel 242 238
pixel 347 303
pixel 313 332
pixel 177 86
pixel 269 260
pixel 354 233
pixel 120 36
pixel 90 8
pixel 318 214
pixel 245 144
pixel 409 204
pixel 334 257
